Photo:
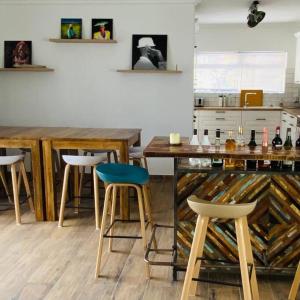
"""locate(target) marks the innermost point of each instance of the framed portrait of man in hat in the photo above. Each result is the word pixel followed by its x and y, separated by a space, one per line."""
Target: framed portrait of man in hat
pixel 102 29
pixel 149 52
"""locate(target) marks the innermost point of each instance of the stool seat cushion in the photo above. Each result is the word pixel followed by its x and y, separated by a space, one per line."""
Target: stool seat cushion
pixel 9 160
pixel 218 210
pixel 81 160
pixel 122 173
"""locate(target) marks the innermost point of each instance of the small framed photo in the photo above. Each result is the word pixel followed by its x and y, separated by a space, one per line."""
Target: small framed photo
pixel 149 52
pixel 17 53
pixel 102 29
pixel 71 28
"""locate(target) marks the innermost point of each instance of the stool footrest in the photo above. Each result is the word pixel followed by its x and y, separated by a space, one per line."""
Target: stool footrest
pixel 106 234
pixel 149 249
pixel 250 268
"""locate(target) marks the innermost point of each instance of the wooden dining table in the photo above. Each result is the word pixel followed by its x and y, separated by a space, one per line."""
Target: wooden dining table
pixel 43 140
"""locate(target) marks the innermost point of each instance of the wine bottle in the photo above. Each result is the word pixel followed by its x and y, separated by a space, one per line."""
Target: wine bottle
pixel 216 162
pixel 297 163
pixel 205 143
pixel 276 145
pixel 230 145
pixel 240 142
pixel 264 164
pixel 288 145
pixel 194 141
pixel 251 164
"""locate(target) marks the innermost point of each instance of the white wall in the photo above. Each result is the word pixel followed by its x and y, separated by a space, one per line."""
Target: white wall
pixel 85 89
pixel 238 37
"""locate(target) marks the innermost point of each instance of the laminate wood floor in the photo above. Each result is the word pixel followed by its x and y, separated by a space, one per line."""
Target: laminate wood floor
pixel 41 261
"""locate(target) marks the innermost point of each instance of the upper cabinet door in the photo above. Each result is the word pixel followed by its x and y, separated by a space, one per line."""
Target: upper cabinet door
pixel 297 67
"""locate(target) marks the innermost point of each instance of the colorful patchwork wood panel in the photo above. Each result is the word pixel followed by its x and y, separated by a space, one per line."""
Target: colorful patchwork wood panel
pixel 274 225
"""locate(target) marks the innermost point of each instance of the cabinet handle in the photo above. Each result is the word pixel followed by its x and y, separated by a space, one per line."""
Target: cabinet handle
pixel 220 111
pixel 291 124
pixel 284 113
pixel 219 119
pixel 283 121
pixel 259 132
pixel 260 119
pixel 292 117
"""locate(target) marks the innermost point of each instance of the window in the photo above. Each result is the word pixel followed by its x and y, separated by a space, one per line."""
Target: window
pixel 229 72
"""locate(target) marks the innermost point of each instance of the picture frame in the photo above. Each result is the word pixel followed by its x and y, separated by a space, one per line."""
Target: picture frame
pixel 17 53
pixel 71 28
pixel 102 29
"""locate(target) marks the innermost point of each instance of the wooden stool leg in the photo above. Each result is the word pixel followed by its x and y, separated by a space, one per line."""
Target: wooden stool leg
pixel 16 194
pixel 64 196
pixel 196 250
pixel 96 197
pixel 145 163
pixel 5 185
pixel 27 187
pixel 81 179
pixel 112 216
pixel 242 245
pixel 102 230
pixel 76 189
pixel 115 156
pixel 295 285
pixel 148 211
pixel 143 229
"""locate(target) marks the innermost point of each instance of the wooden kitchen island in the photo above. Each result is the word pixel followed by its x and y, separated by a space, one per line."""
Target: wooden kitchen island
pixel 274 225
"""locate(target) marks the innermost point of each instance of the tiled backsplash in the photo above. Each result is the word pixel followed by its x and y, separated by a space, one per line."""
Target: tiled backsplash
pixel 291 94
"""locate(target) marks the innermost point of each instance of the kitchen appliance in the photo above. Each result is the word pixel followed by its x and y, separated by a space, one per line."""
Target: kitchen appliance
pixel 251 98
pixel 199 102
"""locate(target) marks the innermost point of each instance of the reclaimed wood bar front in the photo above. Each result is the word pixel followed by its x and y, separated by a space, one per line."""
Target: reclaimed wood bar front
pixel 275 223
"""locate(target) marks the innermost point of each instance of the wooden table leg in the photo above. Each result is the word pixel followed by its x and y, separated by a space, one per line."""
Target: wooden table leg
pixel 76 189
pixel 51 205
pixel 124 200
pixel 37 162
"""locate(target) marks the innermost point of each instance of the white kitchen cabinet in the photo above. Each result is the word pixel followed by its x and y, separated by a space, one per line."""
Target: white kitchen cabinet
pixel 297 66
pixel 257 120
pixel 224 120
pixel 230 120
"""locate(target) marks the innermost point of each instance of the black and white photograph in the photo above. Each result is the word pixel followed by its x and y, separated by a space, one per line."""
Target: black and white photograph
pixel 149 52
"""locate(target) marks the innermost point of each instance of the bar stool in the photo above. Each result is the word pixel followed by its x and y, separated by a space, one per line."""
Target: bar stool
pixel 79 161
pixel 238 212
pixel 117 176
pixel 13 162
pixel 295 285
pixel 136 154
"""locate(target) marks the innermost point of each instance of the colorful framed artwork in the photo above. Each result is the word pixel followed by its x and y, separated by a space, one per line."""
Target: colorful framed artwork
pixel 102 29
pixel 17 53
pixel 71 28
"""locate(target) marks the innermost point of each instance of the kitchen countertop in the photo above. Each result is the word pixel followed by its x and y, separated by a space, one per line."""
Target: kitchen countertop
pixel 292 111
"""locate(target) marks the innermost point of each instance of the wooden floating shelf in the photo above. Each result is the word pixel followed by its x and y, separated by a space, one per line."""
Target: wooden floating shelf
pixel 151 71
pixel 82 41
pixel 26 70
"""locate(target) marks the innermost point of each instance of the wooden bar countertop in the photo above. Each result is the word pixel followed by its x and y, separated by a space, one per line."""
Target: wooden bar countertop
pixel 160 147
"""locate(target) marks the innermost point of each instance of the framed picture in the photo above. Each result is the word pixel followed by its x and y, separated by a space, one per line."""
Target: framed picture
pixel 149 52
pixel 71 28
pixel 102 29
pixel 17 53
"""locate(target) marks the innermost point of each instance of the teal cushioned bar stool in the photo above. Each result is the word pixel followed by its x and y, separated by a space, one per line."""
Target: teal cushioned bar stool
pixel 117 176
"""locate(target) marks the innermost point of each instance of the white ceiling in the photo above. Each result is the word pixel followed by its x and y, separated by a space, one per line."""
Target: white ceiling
pixel 236 11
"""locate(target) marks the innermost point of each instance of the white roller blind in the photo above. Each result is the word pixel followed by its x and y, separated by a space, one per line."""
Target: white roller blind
pixel 229 72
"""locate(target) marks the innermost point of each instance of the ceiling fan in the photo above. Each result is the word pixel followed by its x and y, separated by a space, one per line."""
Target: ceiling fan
pixel 255 16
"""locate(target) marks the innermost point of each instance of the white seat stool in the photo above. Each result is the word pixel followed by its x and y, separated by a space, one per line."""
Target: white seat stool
pixel 238 212
pixel 13 162
pixel 80 161
pixel 136 154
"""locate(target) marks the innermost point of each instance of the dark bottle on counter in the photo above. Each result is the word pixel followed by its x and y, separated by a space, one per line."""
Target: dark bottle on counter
pixel 264 164
pixel 276 145
pixel 297 163
pixel 288 145
pixel 251 164
pixel 217 162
